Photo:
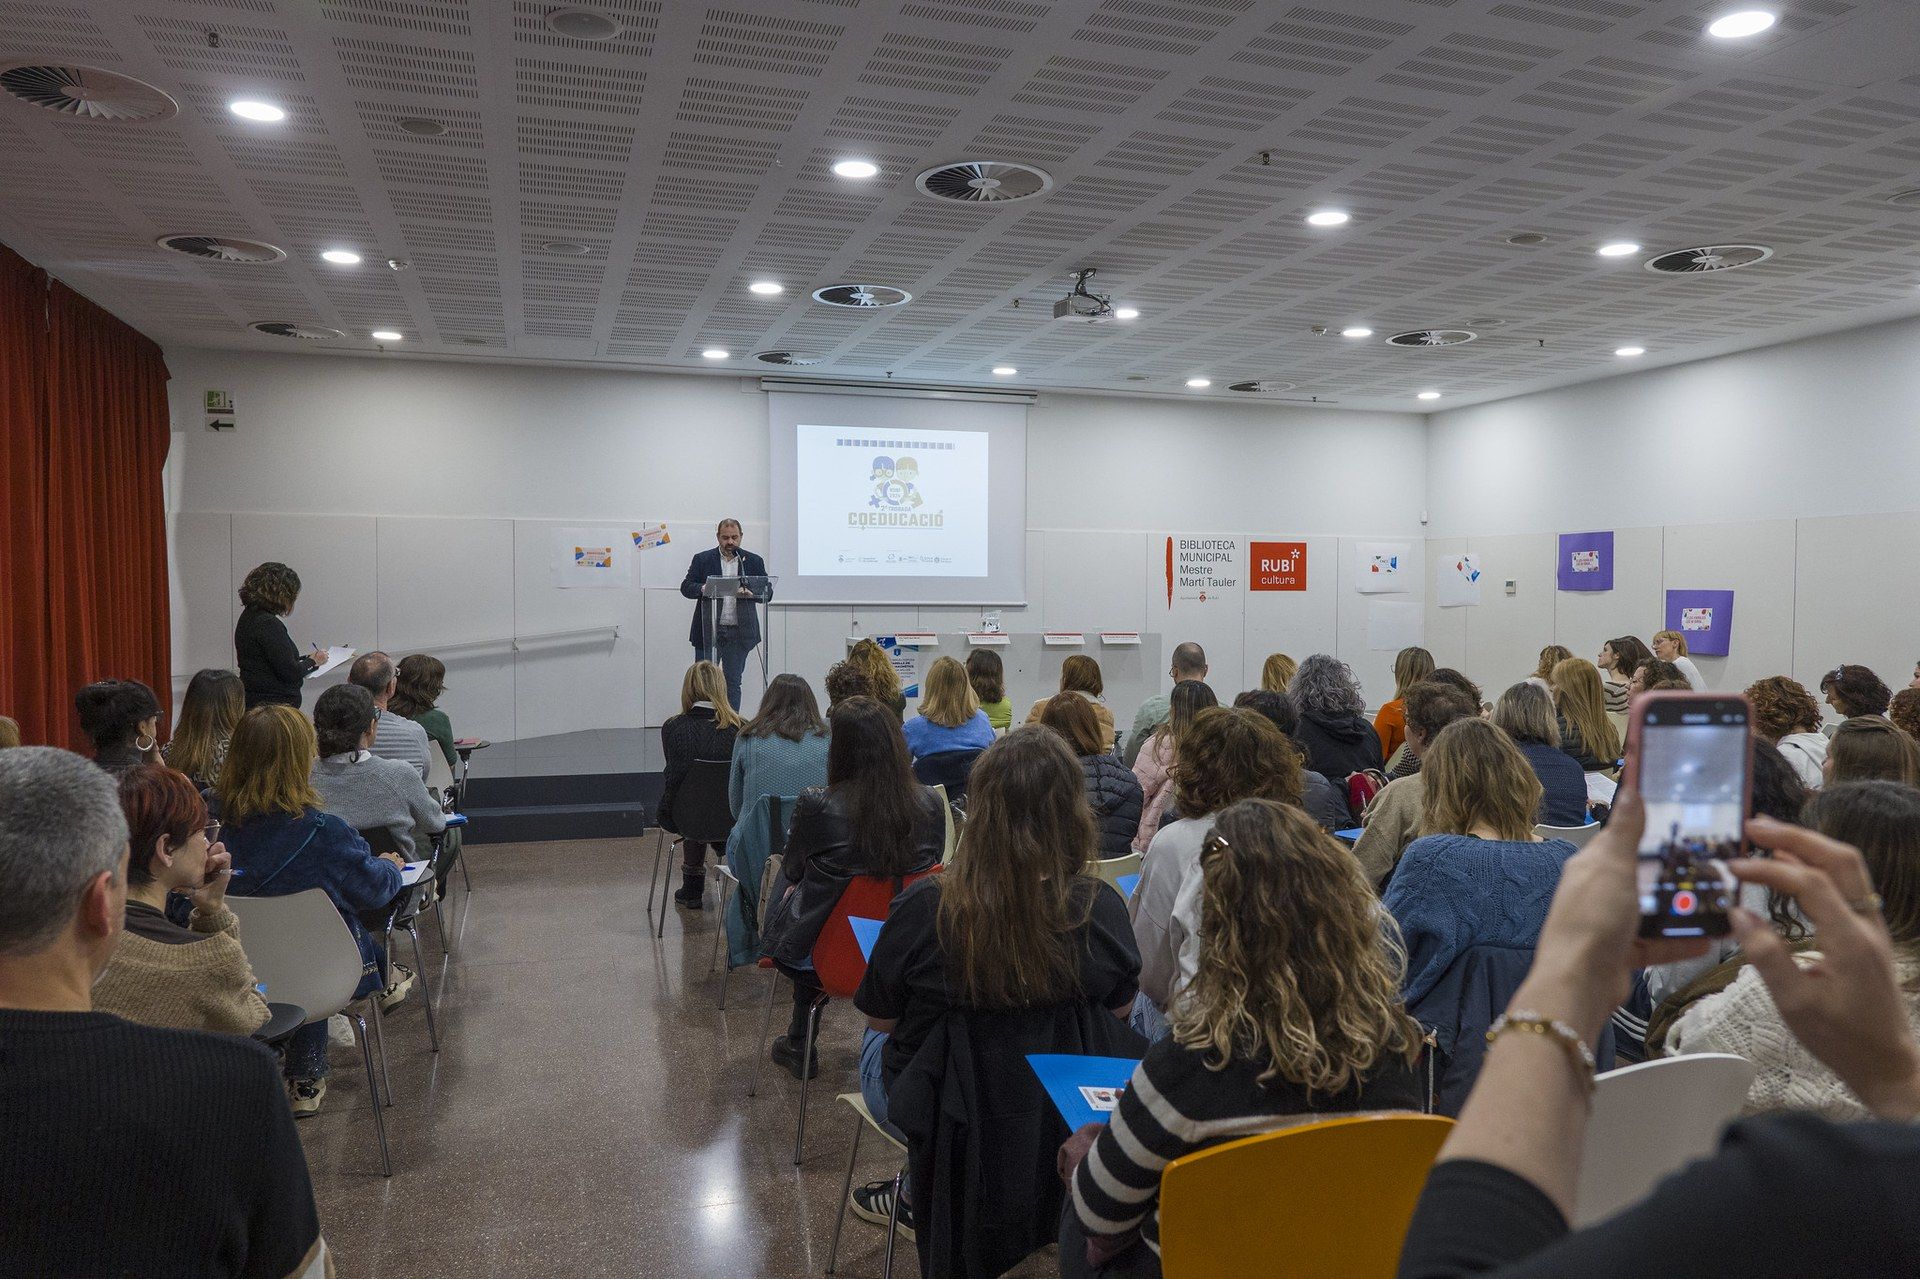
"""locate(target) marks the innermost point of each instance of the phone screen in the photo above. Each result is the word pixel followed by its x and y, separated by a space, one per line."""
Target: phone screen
pixel 1694 761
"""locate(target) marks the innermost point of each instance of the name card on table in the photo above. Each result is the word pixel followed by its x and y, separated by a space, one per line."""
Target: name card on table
pixel 1114 638
pixel 1064 639
pixel 988 639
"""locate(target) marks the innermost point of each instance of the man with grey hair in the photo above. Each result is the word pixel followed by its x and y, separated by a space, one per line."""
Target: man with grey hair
pixel 396 737
pixel 1189 661
pixel 174 1145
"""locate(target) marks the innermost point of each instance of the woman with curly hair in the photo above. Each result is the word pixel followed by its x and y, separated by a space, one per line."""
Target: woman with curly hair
pixel 883 682
pixel 1333 731
pixel 1294 1009
pixel 1785 714
pixel 270 665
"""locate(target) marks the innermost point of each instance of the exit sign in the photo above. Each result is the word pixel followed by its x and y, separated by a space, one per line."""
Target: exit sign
pixel 1278 566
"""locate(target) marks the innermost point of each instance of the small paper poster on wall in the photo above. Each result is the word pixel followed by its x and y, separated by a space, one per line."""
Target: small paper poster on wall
pixel 906 663
pixel 1383 567
pixel 1586 561
pixel 649 536
pixel 591 559
pixel 1456 584
pixel 1705 618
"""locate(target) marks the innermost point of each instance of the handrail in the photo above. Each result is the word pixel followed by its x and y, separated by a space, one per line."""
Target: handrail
pixel 512 641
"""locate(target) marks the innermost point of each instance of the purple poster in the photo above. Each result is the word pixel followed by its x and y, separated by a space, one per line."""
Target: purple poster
pixel 1586 561
pixel 1705 618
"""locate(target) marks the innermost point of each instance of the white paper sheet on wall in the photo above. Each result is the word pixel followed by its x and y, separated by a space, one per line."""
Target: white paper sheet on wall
pixel 1456 581
pixel 1393 625
pixel 592 558
pixel 1382 567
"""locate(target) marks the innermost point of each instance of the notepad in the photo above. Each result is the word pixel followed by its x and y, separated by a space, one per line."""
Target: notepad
pixel 1126 884
pixel 1085 1090
pixel 335 656
pixel 411 872
pixel 1351 834
pixel 865 932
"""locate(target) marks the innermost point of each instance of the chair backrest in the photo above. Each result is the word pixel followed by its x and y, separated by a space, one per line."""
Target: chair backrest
pixel 379 839
pixel 300 950
pixel 439 772
pixel 1112 868
pixel 1652 1119
pixel 837 962
pixel 952 840
pixel 947 768
pixel 1575 835
pixel 701 808
pixel 1331 1197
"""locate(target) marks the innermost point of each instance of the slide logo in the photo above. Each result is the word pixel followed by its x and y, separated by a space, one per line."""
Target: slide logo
pixel 1279 566
pixel 896 499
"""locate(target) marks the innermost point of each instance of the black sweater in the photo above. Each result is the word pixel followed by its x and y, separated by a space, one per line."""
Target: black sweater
pixel 131 1150
pixel 271 667
pixel 694 734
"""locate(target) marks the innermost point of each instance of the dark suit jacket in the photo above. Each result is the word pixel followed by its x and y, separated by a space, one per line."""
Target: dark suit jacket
pixel 707 564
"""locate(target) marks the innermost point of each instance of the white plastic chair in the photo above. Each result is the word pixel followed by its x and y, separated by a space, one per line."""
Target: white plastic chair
pixel 1112 868
pixel 1575 835
pixel 301 949
pixel 1652 1119
pixel 863 1119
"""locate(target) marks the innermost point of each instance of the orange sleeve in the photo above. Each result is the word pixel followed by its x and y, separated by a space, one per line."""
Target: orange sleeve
pixel 1391 725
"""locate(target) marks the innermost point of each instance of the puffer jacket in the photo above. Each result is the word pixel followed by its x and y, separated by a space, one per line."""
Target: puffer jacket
pixel 1116 797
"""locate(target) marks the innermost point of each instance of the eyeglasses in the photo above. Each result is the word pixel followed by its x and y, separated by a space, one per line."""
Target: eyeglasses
pixel 212 832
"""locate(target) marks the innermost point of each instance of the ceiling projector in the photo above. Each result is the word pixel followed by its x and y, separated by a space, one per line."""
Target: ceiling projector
pixel 1079 304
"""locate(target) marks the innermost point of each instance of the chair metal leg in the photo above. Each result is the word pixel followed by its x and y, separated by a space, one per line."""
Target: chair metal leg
pixel 806 1060
pixel 893 1223
pixel 465 879
pixel 726 892
pixel 379 1118
pixel 840 1218
pixel 440 921
pixel 653 876
pixel 766 1031
pixel 426 987
pixel 660 927
pixel 380 1043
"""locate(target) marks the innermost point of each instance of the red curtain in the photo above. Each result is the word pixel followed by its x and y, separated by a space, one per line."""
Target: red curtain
pixel 85 566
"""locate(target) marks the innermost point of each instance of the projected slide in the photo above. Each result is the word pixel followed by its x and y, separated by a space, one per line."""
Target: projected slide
pixel 891 502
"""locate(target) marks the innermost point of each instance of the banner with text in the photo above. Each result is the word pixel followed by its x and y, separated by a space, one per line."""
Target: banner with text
pixel 1197 591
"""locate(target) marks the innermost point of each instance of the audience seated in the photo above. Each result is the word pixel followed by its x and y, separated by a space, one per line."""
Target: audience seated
pixel 1154 767
pixel 1080 675
pixel 1868 747
pixel 871 818
pixel 1322 800
pixel 9 732
pixel 1550 656
pixel 1225 757
pixel 1671 647
pixel 1113 791
pixel 1293 1009
pixel 845 680
pixel 1654 675
pixel 1276 673
pixel 950 717
pixel 1447 675
pixel 1785 714
pixel 396 737
pixel 129 1149
pixel 1014 949
pixel 1338 742
pixel 988 677
pixel 1854 692
pixel 1189 662
pixel 782 750
pixel 192 978
pixel 882 679
pixel 121 717
pixel 1394 816
pixel 214 703
pixel 281 843
pixel 1410 666
pixel 418 682
pixel 1619 658
pixel 705 728
pixel 362 789
pixel 1581 706
pixel 1903 710
pixel 1471 893
pixel 1526 715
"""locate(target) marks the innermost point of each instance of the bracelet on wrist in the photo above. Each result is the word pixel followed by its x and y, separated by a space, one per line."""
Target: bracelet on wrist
pixel 1529 1022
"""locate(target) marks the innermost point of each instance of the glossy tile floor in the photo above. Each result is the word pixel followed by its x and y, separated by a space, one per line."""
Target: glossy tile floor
pixel 588 1112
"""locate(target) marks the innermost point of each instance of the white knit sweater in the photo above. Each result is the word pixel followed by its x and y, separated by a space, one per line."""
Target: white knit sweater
pixel 1743 1020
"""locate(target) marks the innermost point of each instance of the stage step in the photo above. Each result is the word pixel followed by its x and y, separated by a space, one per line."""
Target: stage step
pixel 514 810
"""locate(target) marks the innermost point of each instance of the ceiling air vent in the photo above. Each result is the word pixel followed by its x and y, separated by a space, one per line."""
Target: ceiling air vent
pixel 87 92
pixel 791 358
pixel 288 329
pixel 1710 257
pixel 1261 387
pixel 861 297
pixel 221 248
pixel 1432 337
pixel 984 182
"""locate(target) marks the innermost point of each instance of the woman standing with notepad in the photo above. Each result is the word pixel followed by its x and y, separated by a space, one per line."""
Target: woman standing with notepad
pixel 271 667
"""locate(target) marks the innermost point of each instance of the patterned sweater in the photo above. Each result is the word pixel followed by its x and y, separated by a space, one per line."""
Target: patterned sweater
pixel 199 984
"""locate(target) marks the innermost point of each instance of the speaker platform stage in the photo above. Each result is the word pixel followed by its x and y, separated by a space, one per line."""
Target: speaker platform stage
pixel 597 784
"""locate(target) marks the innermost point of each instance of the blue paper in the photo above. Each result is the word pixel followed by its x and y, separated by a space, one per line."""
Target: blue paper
pixel 1350 835
pixel 1126 884
pixel 1084 1089
pixel 865 932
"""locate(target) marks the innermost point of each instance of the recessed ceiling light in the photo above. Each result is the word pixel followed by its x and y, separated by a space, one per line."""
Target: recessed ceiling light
pixel 1004 370
pixel 1617 249
pixel 1329 217
pixel 856 168
pixel 1126 313
pixel 582 24
pixel 384 335
pixel 1356 331
pixel 1630 350
pixel 1736 26
pixel 1428 395
pixel 1526 239
pixel 767 287
pixel 422 127
pixel 715 353
pixel 572 248
pixel 1197 382
pixel 254 109
pixel 342 257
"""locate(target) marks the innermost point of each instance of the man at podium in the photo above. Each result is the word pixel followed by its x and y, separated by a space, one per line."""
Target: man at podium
pixel 739 615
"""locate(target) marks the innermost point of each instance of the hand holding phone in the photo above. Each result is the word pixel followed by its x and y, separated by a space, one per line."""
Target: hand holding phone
pixel 1692 760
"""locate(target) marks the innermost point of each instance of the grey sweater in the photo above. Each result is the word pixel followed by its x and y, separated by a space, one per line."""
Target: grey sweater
pixel 365 791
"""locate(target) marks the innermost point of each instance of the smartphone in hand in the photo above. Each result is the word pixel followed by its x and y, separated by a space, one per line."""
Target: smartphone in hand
pixel 1692 757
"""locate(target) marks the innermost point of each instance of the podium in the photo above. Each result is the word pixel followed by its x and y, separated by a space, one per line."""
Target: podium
pixel 742 589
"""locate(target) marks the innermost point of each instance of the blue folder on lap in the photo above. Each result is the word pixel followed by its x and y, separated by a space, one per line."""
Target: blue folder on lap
pixel 1350 835
pixel 865 932
pixel 1084 1089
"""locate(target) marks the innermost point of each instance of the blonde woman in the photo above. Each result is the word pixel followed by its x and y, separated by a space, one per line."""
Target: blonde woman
pixel 1550 656
pixel 1671 646
pixel 1471 894
pixel 1277 672
pixel 883 682
pixel 1294 1009
pixel 1410 667
pixel 705 728
pixel 950 717
pixel 1581 703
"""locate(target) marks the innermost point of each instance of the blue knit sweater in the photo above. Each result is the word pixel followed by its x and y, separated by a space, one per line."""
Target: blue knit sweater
pixel 773 765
